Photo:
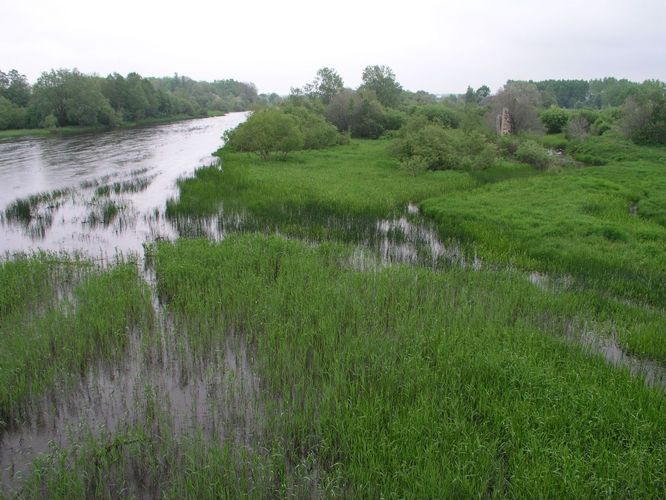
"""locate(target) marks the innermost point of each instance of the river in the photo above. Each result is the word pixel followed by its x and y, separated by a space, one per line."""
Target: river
pixel 107 190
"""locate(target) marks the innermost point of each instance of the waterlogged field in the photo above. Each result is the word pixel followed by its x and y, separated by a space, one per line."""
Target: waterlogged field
pixel 313 332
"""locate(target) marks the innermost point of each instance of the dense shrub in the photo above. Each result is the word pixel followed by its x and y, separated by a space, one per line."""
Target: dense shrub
pixel 11 115
pixel 439 114
pixel 644 115
pixel 554 119
pixel 434 147
pixel 534 154
pixel 317 132
pixel 265 132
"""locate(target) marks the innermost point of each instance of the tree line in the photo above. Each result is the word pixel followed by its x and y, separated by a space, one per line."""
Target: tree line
pixel 66 97
pixel 430 132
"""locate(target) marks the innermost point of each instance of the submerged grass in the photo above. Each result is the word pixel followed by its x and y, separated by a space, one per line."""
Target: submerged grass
pixel 24 210
pixel 408 381
pixel 56 315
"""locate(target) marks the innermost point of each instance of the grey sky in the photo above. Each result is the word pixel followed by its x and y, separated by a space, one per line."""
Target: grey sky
pixel 436 46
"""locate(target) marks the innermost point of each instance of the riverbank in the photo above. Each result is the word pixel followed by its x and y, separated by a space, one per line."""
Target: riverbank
pixel 65 131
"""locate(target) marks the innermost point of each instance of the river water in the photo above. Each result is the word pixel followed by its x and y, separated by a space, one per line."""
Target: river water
pixel 110 188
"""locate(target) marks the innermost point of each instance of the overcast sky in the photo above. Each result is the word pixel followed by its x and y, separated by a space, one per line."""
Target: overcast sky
pixel 438 46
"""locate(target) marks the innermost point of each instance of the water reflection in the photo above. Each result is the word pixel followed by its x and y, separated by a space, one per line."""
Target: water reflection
pixel 142 165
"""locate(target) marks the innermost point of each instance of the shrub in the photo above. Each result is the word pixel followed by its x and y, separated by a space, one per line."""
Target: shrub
pixel 50 122
pixel 534 154
pixel 265 132
pixel 577 128
pixel 436 148
pixel 555 119
pixel 439 115
pixel 317 132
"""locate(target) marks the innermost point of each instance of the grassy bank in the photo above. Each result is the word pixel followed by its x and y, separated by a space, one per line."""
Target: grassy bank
pixel 359 179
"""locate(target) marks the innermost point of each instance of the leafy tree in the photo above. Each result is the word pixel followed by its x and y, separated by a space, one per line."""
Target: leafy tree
pixel 326 84
pixel 15 88
pixel 11 116
pixel 73 98
pixel 482 92
pixel 565 93
pixel 470 95
pixel 381 80
pixel 359 113
pixel 644 114
pixel 265 132
pixel 611 92
pixel 522 100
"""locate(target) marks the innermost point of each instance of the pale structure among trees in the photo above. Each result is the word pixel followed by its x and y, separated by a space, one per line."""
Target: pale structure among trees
pixel 503 123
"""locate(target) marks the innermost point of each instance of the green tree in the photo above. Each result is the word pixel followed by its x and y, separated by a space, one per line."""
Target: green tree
pixel 265 132
pixel 522 100
pixel 381 80
pixel 15 88
pixel 11 116
pixel 326 84
pixel 73 98
pixel 644 114
pixel 360 113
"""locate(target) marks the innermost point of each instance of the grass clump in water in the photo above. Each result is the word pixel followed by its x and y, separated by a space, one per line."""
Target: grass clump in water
pixel 47 336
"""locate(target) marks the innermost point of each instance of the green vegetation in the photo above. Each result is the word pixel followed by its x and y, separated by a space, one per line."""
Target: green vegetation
pixel 403 304
pixel 45 338
pixel 579 222
pixel 360 179
pixel 67 98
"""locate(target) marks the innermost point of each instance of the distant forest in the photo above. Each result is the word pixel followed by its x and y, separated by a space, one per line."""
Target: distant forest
pixel 65 97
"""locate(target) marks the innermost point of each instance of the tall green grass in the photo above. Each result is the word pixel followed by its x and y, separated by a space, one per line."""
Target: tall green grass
pixel 412 382
pixel 56 316
pixel 359 179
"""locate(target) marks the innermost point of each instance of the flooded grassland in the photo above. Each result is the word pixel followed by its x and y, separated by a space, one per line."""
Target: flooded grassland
pixel 298 328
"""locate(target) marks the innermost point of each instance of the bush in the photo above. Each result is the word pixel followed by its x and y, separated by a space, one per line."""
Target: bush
pixel 439 115
pixel 436 148
pixel 265 132
pixel 50 122
pixel 577 128
pixel 317 132
pixel 534 154
pixel 555 119
pixel 600 126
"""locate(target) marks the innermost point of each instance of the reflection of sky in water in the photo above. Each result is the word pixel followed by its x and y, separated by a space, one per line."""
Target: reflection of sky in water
pixel 163 153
